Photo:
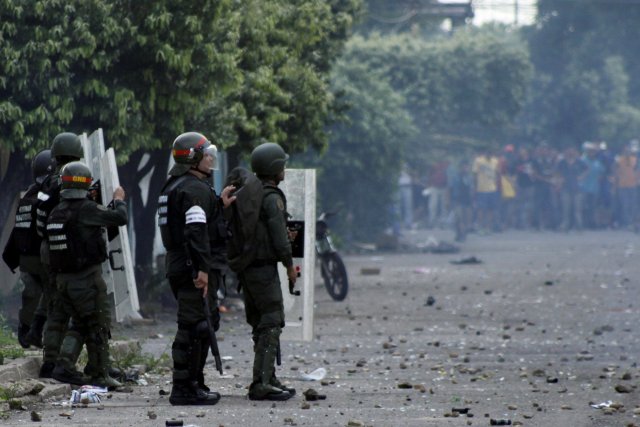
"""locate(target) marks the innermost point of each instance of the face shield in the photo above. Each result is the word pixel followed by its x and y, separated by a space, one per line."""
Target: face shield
pixel 211 151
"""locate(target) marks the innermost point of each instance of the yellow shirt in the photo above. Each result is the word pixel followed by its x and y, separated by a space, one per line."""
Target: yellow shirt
pixel 486 172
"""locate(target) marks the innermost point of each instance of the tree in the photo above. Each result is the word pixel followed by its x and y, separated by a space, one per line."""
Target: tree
pixel 366 148
pixel 584 54
pixel 242 72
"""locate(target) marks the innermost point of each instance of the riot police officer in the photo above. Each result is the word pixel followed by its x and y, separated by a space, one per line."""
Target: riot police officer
pixel 77 249
pixel 23 250
pixel 66 147
pixel 260 281
pixel 194 234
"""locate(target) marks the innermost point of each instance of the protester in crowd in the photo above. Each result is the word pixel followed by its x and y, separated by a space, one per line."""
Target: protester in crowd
pixel 590 184
pixel 571 170
pixel 486 175
pixel 626 183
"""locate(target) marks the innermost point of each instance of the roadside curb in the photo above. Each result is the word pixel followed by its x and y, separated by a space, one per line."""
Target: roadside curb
pixel 20 369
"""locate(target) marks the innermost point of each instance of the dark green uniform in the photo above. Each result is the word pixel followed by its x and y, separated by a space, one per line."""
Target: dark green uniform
pixel 261 285
pixel 76 254
pixel 23 250
pixel 49 197
pixel 194 235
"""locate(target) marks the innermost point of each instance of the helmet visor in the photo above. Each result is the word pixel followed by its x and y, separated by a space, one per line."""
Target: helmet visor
pixel 212 151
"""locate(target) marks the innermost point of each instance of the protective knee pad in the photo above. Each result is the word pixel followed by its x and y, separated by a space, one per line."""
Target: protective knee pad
pixel 181 354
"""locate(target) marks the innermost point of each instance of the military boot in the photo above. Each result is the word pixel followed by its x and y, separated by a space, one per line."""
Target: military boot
pixel 189 393
pixel 65 370
pixel 23 331
pixel 99 357
pixel 34 336
pixel 263 368
pixel 46 370
pixel 276 383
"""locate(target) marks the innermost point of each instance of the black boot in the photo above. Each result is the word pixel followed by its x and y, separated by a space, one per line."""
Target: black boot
pixel 34 336
pixel 276 383
pixel 23 331
pixel 46 370
pixel 188 393
pixel 69 376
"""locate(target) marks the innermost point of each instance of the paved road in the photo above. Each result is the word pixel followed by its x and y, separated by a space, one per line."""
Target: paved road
pixel 546 325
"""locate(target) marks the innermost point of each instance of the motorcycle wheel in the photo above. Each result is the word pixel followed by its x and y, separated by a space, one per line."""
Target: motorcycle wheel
pixel 334 275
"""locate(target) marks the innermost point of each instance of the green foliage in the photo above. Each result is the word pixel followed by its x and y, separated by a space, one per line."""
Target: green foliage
pixel 286 49
pixel 9 346
pixel 469 87
pixel 584 54
pixel 146 71
pixel 409 99
pixel 125 358
pixel 8 393
pixel 367 148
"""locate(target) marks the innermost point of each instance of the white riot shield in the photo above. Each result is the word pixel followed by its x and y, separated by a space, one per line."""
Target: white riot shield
pixel 117 271
pixel 299 186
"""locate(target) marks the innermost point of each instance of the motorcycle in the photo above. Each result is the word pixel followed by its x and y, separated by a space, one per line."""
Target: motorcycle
pixel 332 269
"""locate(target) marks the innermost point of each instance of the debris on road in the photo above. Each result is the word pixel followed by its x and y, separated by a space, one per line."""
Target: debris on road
pixel 316 375
pixel 466 261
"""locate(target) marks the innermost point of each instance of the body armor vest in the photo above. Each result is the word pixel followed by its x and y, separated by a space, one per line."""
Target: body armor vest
pixel 48 198
pixel 26 235
pixel 171 222
pixel 171 230
pixel 71 247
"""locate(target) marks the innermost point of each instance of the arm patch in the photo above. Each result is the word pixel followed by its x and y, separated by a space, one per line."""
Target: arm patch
pixel 195 214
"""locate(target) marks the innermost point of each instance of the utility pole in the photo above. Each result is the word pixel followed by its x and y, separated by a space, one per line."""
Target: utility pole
pixel 515 12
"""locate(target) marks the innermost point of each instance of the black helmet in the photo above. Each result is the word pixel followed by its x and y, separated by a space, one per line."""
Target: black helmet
pixel 188 149
pixel 76 180
pixel 42 165
pixel 66 144
pixel 268 159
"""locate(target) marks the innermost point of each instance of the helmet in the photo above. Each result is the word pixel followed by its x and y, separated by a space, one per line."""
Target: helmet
pixel 188 149
pixel 66 144
pixel 268 159
pixel 42 165
pixel 76 180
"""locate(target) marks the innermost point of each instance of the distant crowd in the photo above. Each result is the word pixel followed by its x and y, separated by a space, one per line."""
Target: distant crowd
pixel 539 188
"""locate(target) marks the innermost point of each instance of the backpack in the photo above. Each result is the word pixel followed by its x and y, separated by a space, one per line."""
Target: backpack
pixel 245 214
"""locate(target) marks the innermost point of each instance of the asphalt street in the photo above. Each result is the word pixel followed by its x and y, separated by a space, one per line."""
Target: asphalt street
pixel 541 329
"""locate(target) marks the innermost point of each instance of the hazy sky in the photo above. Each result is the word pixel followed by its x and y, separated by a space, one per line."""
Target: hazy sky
pixel 502 11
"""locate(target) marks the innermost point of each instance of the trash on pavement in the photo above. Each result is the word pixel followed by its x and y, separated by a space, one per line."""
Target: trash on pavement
pixel 316 375
pixel 606 404
pixel 468 260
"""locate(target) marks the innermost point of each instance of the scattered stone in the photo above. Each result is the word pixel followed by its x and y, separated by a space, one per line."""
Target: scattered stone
pixel 163 392
pixel 405 385
pixel 622 389
pixel 152 415
pixel 305 405
pixel 420 388
pixel 566 407
pixel 355 423
pixel 200 414
pixel 312 395
pixel 430 301
pixel 68 414
pixel 36 416
pixel 289 422
pixel 512 407
pixel 552 380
